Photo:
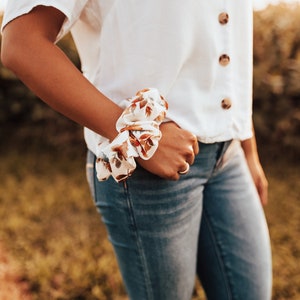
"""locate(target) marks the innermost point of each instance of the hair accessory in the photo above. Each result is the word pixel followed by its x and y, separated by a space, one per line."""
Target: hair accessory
pixel 139 134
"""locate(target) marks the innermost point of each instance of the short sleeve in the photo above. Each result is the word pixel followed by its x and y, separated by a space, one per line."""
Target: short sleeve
pixel 72 9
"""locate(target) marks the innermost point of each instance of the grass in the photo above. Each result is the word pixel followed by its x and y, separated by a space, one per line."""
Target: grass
pixel 283 214
pixel 50 226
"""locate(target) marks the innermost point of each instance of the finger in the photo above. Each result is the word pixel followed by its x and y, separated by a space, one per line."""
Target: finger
pixel 262 189
pixel 263 194
pixel 195 145
pixel 190 155
pixel 193 150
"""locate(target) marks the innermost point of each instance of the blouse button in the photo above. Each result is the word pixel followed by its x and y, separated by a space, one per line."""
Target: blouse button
pixel 226 103
pixel 223 18
pixel 224 60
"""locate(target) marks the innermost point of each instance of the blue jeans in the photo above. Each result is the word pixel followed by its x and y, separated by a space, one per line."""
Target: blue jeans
pixel 210 223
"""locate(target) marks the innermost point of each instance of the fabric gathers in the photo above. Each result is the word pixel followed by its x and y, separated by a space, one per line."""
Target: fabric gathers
pixel 139 134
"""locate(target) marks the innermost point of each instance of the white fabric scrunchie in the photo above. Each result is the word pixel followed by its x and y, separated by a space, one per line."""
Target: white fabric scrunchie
pixel 139 134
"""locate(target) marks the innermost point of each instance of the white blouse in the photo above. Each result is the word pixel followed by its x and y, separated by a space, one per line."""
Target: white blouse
pixel 197 53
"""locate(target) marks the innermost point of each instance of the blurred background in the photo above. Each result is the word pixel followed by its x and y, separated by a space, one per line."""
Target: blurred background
pixel 48 223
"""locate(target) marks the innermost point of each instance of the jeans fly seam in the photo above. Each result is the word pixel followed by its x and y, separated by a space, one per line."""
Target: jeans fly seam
pixel 142 258
pixel 218 253
pixel 220 157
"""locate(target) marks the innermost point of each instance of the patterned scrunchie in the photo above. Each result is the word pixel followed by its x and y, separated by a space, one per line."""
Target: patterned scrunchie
pixel 139 134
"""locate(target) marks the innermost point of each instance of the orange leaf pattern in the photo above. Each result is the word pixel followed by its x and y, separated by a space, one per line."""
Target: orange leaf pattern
pixel 139 134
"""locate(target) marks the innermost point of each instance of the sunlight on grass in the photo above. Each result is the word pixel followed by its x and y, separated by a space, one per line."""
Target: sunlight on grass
pixel 49 223
pixel 283 215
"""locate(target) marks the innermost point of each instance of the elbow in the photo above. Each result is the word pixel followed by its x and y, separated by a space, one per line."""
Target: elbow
pixel 7 53
pixel 4 55
pixel 6 60
pixel 12 50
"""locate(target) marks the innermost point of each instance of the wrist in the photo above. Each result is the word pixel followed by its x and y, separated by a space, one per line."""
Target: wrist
pixel 138 136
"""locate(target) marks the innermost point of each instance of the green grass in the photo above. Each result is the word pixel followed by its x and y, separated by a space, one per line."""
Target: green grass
pixel 50 226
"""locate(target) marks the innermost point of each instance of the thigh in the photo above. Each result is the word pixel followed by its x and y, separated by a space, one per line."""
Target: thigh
pixel 234 257
pixel 153 225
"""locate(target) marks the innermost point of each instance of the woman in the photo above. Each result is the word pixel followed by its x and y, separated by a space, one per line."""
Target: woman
pixel 192 205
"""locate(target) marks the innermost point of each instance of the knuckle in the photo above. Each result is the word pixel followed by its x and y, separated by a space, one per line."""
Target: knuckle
pixel 189 153
pixel 193 138
pixel 169 174
pixel 172 176
pixel 175 177
pixel 190 157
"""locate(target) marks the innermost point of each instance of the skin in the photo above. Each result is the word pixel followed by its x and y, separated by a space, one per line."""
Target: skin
pixel 27 45
pixel 250 149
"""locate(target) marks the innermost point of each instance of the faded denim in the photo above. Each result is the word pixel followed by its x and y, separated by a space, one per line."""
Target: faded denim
pixel 210 223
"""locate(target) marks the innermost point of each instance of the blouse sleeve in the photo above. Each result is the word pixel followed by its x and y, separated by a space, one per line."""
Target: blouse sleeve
pixel 72 9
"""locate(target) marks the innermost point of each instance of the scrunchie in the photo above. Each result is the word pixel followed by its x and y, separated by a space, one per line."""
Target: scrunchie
pixel 139 134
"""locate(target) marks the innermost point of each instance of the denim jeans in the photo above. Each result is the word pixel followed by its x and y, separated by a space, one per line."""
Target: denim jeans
pixel 210 223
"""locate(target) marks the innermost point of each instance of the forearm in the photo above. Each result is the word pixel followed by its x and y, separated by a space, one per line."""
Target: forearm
pixel 57 82
pixel 250 148
pixel 45 69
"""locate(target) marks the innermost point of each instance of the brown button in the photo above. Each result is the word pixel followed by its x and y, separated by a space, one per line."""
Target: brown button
pixel 224 60
pixel 223 18
pixel 226 103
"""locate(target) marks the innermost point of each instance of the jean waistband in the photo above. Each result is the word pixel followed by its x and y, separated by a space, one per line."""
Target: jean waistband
pixel 218 148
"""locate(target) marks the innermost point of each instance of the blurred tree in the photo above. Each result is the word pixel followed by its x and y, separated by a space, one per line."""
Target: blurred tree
pixel 277 75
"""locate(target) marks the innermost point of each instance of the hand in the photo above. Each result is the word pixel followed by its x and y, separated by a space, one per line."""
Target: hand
pixel 177 147
pixel 250 149
pixel 259 178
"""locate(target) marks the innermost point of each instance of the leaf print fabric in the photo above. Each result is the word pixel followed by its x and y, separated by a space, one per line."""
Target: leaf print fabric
pixel 139 134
